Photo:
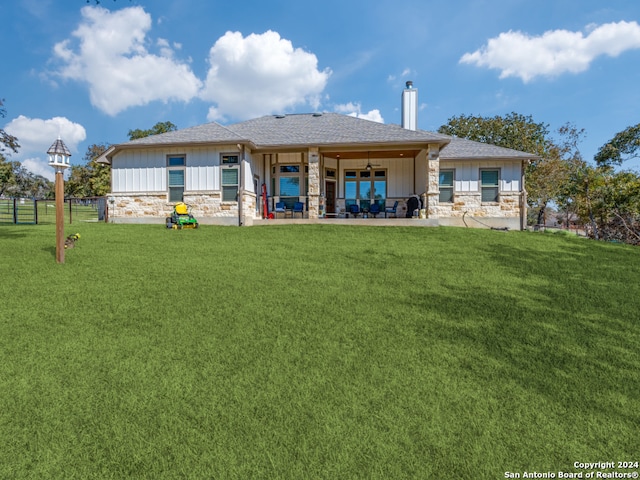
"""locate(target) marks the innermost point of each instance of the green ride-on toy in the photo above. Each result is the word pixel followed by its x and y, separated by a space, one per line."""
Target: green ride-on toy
pixel 181 218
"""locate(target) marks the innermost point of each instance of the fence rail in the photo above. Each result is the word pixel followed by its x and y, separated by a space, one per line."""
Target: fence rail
pixel 30 211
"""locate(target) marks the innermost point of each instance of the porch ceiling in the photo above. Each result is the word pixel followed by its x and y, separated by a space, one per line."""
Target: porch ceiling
pixel 360 155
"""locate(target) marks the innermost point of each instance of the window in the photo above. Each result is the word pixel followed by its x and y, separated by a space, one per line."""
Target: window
pixel 230 173
pixel 350 188
pixel 380 188
pixel 229 184
pixel 446 186
pixel 229 159
pixel 175 172
pixel 489 185
pixel 365 186
pixel 289 184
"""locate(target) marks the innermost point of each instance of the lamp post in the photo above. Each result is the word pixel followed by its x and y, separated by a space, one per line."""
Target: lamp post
pixel 59 159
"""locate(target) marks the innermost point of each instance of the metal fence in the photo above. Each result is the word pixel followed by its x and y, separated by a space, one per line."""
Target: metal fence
pixel 30 211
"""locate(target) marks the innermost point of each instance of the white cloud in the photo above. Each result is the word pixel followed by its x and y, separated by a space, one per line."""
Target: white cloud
pixel 39 166
pixel 260 74
pixel 555 52
pixel 112 59
pixel 36 135
pixel 355 110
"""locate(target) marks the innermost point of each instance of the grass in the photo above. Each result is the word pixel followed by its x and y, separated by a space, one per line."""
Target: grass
pixel 314 351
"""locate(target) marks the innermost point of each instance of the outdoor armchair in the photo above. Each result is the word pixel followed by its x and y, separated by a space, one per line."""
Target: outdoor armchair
pixel 374 209
pixel 354 209
pixel 298 207
pixel 391 210
pixel 280 208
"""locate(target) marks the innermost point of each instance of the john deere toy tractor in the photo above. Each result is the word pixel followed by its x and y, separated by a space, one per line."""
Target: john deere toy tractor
pixel 181 218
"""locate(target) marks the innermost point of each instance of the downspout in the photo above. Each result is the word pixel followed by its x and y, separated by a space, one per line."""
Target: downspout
pixel 265 207
pixel 241 186
pixel 523 196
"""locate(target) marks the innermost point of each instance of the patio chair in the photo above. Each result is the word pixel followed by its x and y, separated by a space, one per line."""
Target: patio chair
pixel 298 207
pixel 280 208
pixel 374 209
pixel 354 209
pixel 391 210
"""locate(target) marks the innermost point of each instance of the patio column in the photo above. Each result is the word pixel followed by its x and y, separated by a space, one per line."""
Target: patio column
pixel 314 183
pixel 433 173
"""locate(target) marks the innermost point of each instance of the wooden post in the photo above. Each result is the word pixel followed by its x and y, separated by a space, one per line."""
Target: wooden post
pixel 59 216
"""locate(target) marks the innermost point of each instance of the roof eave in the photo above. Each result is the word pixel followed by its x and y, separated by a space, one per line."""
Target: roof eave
pixel 491 157
pixel 115 149
pixel 351 145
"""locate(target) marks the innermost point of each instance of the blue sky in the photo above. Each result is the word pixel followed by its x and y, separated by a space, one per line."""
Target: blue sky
pixel 90 73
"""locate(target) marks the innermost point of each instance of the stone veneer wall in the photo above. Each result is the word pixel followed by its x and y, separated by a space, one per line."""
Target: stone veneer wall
pixel 314 184
pixel 469 202
pixel 205 205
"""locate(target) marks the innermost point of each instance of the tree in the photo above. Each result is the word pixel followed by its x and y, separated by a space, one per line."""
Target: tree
pixel 158 128
pixel 101 173
pixel 7 174
pixel 514 130
pixel 7 142
pixel 7 168
pixel 546 175
pixel 17 181
pixel 623 146
pixel 92 179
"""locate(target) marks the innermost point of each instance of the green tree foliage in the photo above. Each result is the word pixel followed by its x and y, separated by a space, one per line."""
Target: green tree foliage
pixel 607 203
pixel 7 174
pixel 91 179
pixel 15 180
pixel 158 128
pixel 7 142
pixel 514 130
pixel 546 175
pixel 623 146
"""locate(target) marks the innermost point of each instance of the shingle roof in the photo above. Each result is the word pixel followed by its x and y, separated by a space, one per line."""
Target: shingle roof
pixel 327 129
pixel 461 148
pixel 324 129
pixel 59 147
pixel 207 133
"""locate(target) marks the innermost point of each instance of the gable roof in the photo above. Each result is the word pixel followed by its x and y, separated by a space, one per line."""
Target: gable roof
pixel 318 129
pixel 323 129
pixel 461 148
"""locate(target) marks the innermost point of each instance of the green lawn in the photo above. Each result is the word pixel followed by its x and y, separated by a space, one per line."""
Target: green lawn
pixel 315 352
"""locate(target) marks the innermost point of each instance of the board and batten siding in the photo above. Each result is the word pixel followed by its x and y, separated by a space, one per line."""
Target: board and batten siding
pixel 467 174
pixel 400 174
pixel 145 171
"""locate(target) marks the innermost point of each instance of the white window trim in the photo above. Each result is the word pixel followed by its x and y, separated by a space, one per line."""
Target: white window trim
pixel 497 201
pixel 229 166
pixel 447 187
pixel 171 168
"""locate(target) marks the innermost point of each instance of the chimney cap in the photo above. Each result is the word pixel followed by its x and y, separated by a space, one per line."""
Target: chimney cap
pixel 409 84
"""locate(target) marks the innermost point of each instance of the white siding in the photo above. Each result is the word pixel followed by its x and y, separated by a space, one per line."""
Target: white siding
pixel 467 174
pixel 400 174
pixel 146 171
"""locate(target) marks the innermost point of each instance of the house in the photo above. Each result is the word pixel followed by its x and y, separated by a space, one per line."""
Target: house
pixel 326 161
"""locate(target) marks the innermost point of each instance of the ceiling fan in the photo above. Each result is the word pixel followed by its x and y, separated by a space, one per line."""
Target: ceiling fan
pixel 369 165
